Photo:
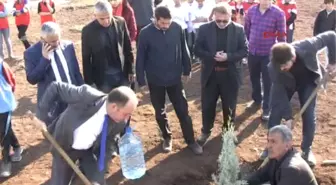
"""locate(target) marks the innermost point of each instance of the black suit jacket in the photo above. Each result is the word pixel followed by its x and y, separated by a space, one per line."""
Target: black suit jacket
pixel 94 60
pixel 236 49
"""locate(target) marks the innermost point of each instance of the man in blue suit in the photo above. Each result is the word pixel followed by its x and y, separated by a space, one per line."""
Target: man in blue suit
pixel 52 59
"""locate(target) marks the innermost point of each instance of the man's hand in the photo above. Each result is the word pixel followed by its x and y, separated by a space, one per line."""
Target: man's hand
pixel 46 49
pixel 131 78
pixel 331 70
pixel 220 56
pixel 289 123
pixel 186 78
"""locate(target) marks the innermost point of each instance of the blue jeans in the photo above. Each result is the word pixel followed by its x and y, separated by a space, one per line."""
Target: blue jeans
pixel 5 36
pixel 258 68
pixel 308 117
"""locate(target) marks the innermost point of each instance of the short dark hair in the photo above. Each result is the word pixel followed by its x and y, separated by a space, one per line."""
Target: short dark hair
pixel 162 12
pixel 281 53
pixel 329 1
pixel 118 97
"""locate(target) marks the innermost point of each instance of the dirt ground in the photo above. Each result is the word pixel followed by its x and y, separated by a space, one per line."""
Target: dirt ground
pixel 180 167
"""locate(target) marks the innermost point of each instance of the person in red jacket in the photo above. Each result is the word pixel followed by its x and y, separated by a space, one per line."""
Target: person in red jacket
pixel 22 20
pixel 123 8
pixel 289 7
pixel 46 10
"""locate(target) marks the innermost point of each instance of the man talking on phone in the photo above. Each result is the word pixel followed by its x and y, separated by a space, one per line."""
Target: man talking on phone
pixel 221 45
pixel 52 59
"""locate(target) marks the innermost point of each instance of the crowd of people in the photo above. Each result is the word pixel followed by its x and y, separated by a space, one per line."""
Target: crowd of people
pixel 221 35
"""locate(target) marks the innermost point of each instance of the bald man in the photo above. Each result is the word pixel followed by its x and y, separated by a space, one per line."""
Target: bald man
pixel 91 123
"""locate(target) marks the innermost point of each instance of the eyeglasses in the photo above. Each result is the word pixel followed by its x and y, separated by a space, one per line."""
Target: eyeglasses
pixel 222 21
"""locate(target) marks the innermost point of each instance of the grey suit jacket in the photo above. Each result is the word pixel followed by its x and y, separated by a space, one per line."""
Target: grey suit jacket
pixel 283 81
pixel 290 170
pixel 236 49
pixel 83 102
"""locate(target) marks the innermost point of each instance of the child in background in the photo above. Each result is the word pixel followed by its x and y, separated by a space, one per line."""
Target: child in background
pixel 22 20
pixel 5 32
pixel 7 106
pixel 326 19
pixel 46 10
pixel 289 7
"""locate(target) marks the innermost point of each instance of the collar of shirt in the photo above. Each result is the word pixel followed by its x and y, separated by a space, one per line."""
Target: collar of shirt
pixel 86 134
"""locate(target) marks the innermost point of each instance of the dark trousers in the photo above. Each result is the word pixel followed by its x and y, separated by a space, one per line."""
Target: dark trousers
pixel 8 140
pixel 290 35
pixel 177 97
pixel 308 117
pixel 190 39
pixel 258 68
pixel 22 35
pixel 62 173
pixel 220 84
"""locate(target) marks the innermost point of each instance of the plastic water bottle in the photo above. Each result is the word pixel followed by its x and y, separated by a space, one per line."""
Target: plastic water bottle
pixel 131 154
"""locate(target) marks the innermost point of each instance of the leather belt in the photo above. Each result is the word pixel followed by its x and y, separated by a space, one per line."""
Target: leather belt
pixel 220 68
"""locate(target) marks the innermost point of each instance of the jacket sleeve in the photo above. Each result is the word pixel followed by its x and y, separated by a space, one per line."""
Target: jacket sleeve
pixel 67 93
pixel 87 56
pixel 314 44
pixel 141 58
pixel 200 48
pixel 128 52
pixel 131 24
pixel 260 176
pixel 317 24
pixel 186 61
pixel 36 68
pixel 242 48
pixel 77 73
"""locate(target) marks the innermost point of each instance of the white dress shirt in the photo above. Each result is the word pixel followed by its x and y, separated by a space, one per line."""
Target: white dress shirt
pixel 180 15
pixel 202 12
pixel 86 134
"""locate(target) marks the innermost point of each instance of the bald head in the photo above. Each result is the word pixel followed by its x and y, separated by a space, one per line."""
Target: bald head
pixel 121 102
pixel 121 96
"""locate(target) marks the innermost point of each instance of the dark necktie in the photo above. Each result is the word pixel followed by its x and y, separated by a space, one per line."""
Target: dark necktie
pixel 101 161
pixel 60 68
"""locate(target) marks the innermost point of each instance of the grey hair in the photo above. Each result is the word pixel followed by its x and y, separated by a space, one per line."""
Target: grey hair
pixel 284 131
pixel 103 6
pixel 50 28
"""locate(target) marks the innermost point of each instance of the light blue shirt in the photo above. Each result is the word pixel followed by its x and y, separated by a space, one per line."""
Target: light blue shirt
pixel 7 98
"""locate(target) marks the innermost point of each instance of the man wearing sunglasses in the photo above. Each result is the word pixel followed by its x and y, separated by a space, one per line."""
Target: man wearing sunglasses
pixel 221 45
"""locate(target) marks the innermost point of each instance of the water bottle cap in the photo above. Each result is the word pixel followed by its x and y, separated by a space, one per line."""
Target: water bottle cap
pixel 128 129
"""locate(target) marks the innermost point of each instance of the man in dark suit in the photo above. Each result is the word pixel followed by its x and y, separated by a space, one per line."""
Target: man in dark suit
pixel 108 60
pixel 295 68
pixel 221 45
pixel 81 128
pixel 49 60
pixel 286 166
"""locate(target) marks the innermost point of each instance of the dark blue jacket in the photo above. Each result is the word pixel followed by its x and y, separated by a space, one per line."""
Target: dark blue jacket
pixel 162 56
pixel 39 71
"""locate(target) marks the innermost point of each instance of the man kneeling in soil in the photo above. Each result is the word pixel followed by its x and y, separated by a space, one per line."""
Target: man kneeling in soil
pixel 286 166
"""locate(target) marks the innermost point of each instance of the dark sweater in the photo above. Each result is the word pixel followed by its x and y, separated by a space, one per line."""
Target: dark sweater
pixel 162 55
pixel 143 11
pixel 325 22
